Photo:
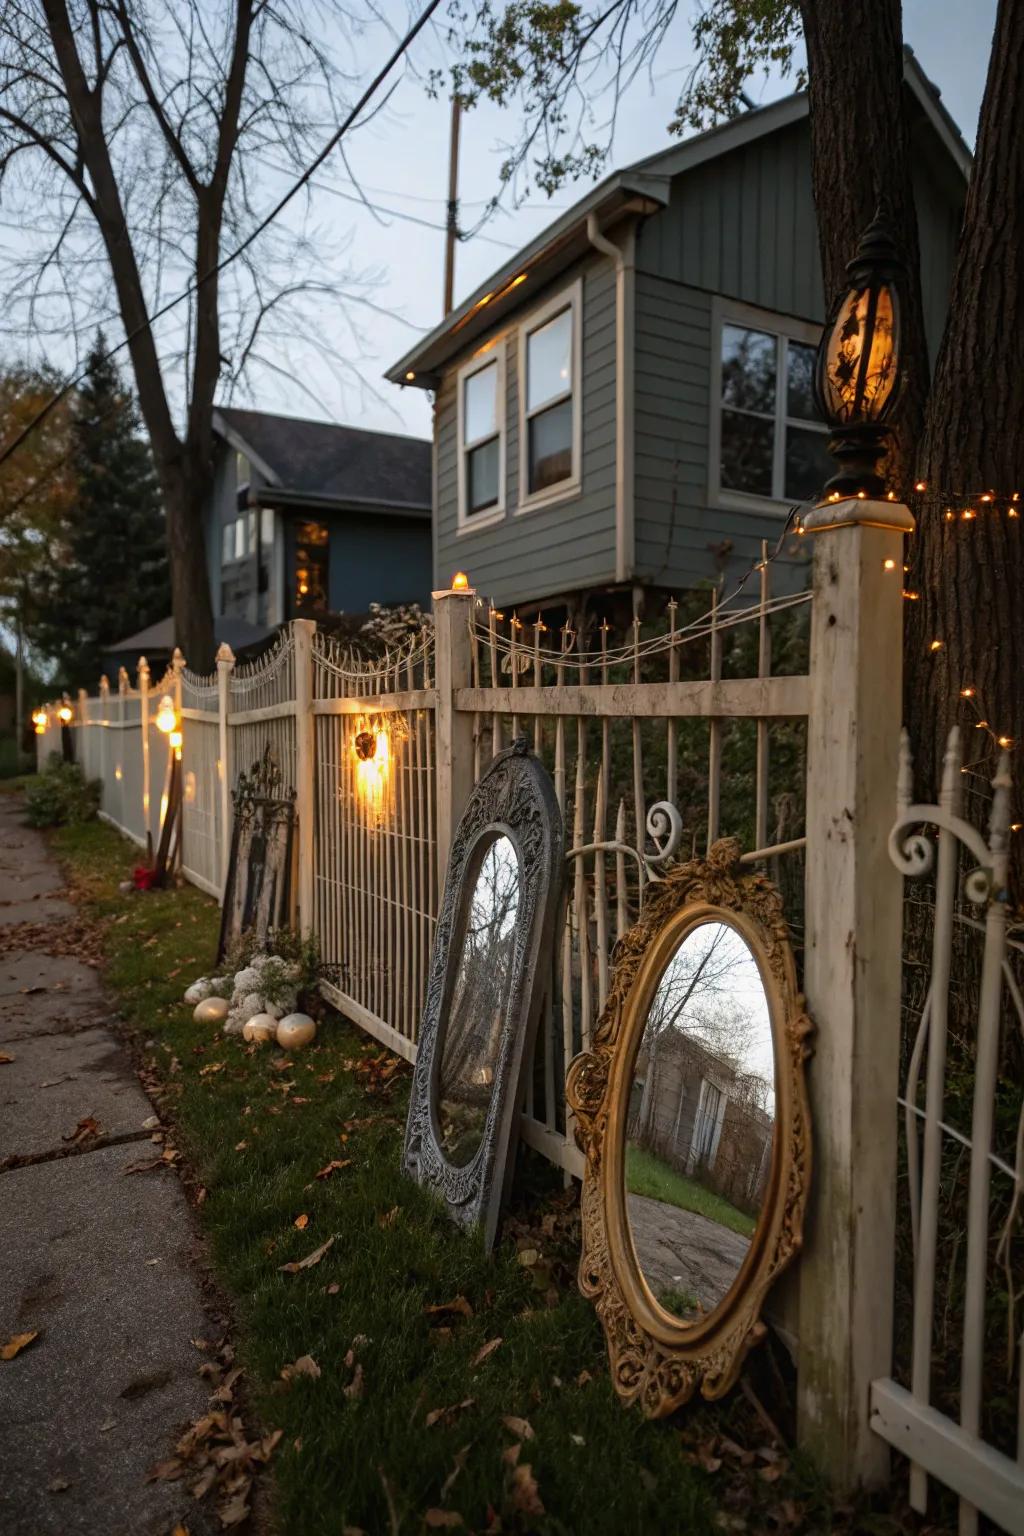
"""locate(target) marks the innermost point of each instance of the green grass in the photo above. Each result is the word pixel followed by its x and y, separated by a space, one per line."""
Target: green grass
pixel 648 1175
pixel 343 1461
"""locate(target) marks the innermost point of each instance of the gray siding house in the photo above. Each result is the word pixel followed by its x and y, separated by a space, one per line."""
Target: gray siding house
pixel 308 519
pixel 625 406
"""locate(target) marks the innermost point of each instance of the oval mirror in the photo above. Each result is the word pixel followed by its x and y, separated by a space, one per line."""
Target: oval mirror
pixel 699 1123
pixel 691 1110
pixel 479 1004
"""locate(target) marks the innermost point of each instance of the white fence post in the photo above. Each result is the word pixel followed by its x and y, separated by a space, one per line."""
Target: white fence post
pixel 143 684
pixel 852 964
pixel 225 667
pixel 453 615
pixel 305 797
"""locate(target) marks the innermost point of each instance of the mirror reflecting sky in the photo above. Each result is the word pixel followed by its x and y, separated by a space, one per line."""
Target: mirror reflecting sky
pixel 700 1121
pixel 479 1002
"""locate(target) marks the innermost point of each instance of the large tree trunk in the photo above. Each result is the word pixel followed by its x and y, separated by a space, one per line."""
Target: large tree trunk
pixel 970 572
pixel 859 155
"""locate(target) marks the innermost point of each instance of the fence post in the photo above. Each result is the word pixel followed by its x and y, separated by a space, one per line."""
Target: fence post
pixel 453 615
pixel 225 667
pixel 852 963
pixel 305 798
pixel 142 675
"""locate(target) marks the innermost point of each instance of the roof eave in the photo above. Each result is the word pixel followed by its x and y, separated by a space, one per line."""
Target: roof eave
pixel 621 194
pixel 286 497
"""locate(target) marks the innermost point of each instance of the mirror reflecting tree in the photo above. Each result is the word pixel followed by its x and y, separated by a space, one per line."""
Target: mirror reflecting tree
pixel 479 1003
pixel 700 1120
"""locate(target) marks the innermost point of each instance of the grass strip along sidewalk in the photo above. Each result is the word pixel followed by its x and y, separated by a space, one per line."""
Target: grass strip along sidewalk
pixel 429 1386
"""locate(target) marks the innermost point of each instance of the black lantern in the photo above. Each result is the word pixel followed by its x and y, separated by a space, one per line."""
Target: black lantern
pixel 859 370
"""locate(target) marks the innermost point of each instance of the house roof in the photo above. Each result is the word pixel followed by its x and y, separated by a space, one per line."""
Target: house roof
pixel 318 462
pixel 642 187
pixel 158 638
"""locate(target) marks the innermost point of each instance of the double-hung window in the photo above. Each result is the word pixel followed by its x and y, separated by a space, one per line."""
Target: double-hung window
pixel 481 384
pixel 770 444
pixel 549 397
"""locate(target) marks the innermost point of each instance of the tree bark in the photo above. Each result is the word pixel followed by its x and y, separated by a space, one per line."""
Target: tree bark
pixel 859 155
pixel 970 572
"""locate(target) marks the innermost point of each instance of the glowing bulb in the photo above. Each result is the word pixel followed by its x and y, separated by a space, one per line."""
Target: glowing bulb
pixel 64 714
pixel 410 376
pixel 888 565
pixel 166 717
pixel 949 514
pixel 967 693
pixel 920 486
pixel 936 645
pixel 968 514
pixel 911 597
pixel 40 730
pixel 986 498
pixel 175 739
pixel 39 720
pixel 460 582
pixel 1005 741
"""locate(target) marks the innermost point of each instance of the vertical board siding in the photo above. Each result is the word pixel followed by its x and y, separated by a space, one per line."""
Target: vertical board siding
pixel 557 548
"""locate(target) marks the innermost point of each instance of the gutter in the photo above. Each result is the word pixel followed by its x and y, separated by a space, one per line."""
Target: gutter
pixel 625 340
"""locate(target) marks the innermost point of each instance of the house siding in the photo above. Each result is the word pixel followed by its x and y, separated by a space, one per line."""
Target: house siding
pixel 742 226
pixel 552 549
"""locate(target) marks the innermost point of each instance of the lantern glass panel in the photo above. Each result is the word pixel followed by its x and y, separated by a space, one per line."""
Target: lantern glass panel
pixel 854 393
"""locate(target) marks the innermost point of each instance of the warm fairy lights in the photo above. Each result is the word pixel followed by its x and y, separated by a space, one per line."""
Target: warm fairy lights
pixel 460 582
pixel 64 714
pixel 166 715
pixel 888 565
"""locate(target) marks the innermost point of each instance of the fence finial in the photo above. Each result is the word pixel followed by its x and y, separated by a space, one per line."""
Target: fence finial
pixel 177 659
pixel 142 669
pixel 905 773
pixel 225 653
pixel 123 683
pixel 949 794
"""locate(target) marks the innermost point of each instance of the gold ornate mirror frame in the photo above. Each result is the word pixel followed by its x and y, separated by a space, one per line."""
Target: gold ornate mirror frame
pixel 657 1359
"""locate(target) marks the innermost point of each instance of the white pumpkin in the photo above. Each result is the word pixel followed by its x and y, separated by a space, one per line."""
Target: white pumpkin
pixel 212 1010
pixel 261 1028
pixel 295 1030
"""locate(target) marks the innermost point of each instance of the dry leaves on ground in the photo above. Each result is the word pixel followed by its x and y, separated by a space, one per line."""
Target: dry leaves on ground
pixel 5 1060
pixel 523 1491
pixel 457 1304
pixel 521 1428
pixel 76 937
pixel 305 1365
pixel 332 1167
pixel 88 1129
pixel 302 1222
pixel 16 1343
pixel 484 1353
pixel 446 1415
pixel 296 1265
pixel 443 1519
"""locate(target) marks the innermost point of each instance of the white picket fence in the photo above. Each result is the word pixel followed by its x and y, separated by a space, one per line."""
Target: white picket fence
pixel 800 767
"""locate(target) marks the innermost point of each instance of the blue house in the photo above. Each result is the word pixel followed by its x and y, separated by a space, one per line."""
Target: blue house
pixel 624 408
pixel 308 519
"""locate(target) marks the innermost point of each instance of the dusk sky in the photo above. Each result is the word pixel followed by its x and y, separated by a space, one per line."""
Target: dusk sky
pixel 400 161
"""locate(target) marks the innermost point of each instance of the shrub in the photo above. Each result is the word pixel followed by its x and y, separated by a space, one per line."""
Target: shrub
pixel 62 796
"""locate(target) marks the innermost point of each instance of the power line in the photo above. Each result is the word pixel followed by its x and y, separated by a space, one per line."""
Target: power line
pixel 214 271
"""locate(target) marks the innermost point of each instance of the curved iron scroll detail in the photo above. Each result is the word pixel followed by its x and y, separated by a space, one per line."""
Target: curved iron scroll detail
pixel 514 798
pixel 657 1360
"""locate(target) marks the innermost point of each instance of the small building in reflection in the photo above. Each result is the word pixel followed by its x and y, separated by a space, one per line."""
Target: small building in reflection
pixel 698 1113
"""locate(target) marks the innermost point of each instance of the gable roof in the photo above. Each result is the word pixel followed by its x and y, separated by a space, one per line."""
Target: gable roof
pixel 307 462
pixel 642 187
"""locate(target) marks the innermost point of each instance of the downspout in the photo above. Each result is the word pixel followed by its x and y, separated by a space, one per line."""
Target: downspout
pixel 624 479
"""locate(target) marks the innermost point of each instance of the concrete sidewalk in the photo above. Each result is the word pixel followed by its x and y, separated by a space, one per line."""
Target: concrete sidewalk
pixel 97 1262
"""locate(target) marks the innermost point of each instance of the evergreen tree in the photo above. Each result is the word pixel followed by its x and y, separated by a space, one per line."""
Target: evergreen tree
pixel 112 576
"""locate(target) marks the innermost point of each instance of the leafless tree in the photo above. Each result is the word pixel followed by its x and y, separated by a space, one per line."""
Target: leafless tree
pixel 139 144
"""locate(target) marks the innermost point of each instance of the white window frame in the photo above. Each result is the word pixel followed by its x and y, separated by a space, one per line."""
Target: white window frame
pixel 570 298
pixel 470 522
pixel 784 328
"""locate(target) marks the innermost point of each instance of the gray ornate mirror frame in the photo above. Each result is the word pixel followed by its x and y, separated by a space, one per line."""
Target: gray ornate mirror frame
pixel 512 810
pixel 660 1353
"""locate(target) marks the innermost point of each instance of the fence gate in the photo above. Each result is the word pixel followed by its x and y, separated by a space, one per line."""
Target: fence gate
pixel 987 1479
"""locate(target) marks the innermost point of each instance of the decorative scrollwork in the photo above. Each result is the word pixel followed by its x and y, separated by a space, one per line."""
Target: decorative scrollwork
pixel 656 1359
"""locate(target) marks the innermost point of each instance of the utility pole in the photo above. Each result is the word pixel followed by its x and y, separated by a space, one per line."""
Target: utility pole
pixel 452 221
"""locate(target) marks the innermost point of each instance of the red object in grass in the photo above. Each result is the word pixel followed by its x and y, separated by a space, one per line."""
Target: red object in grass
pixel 143 877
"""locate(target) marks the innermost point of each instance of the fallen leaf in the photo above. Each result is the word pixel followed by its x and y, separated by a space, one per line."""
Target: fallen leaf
pixel 510 1455
pixel 332 1167
pixel 85 1130
pixel 236 1510
pixel 145 1167
pixel 460 1304
pixel 305 1365
pixel 525 1496
pixel 332 1289
pixel 577 1440
pixel 521 1428
pixel 180 1530
pixel 302 1222
pixel 215 1066
pixel 58 1485
pixel 108 1426
pixel 354 1389
pixel 528 1257
pixel 460 1462
pixel 16 1343
pixel 484 1353
pixel 447 1414
pixel 443 1519
pixel 166 1471
pixel 388 1218
pixel 240 1146
pixel 5 1060
pixel 310 1259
